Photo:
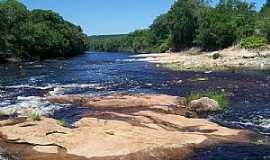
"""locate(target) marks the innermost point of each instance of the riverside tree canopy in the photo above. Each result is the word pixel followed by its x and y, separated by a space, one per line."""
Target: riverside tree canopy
pixel 37 34
pixel 195 23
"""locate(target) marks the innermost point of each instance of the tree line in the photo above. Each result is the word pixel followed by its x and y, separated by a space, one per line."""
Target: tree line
pixel 37 34
pixel 196 23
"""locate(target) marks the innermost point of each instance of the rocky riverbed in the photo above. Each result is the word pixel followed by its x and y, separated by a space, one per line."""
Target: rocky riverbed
pixel 115 127
pixel 195 60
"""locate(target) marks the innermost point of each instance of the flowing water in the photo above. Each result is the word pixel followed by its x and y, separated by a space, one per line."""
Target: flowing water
pixel 27 84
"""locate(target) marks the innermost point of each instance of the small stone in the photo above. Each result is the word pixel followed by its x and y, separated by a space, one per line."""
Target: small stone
pixel 179 81
pixel 242 63
pixel 249 56
pixel 109 133
pixel 204 104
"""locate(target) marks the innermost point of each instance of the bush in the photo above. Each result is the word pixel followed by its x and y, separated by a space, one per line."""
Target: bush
pixel 254 42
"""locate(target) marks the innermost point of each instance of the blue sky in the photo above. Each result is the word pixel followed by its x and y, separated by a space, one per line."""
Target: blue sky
pixel 108 16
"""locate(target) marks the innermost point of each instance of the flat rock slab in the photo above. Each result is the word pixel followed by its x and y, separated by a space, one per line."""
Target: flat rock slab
pixel 153 130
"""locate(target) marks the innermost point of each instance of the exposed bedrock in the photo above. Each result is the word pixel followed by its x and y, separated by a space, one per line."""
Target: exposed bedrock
pixel 126 127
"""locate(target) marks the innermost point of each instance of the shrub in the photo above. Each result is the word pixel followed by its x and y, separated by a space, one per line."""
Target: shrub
pixel 254 42
pixel 193 96
pixel 164 47
pixel 218 96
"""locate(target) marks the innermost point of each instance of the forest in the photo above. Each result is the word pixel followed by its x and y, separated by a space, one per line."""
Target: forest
pixel 37 34
pixel 196 23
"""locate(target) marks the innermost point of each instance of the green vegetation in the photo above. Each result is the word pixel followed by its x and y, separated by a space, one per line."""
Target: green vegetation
pixel 254 42
pixel 218 96
pixel 195 23
pixel 61 122
pixel 108 43
pixel 35 116
pixel 37 34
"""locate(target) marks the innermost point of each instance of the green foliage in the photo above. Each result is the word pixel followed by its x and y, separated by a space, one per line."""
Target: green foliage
pixel 61 123
pixel 265 11
pixel 193 96
pixel 263 27
pixel 37 34
pixel 215 30
pixel 218 96
pixel 254 42
pixel 110 43
pixel 226 24
pixel 194 23
pixel 183 23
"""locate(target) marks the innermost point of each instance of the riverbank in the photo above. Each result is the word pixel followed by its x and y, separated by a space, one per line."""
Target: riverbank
pixel 117 127
pixel 233 58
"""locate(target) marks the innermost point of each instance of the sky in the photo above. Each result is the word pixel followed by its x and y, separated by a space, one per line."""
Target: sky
pixel 102 17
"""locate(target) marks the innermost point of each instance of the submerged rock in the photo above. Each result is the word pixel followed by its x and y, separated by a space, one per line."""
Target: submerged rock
pixel 12 121
pixel 137 127
pixel 205 104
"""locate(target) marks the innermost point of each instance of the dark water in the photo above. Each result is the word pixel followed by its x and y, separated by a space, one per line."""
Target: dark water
pixel 24 85
pixel 233 152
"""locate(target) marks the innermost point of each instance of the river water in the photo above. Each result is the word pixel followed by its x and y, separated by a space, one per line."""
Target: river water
pixel 27 84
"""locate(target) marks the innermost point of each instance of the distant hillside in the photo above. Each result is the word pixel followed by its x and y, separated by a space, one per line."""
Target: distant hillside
pixel 108 36
pixel 109 43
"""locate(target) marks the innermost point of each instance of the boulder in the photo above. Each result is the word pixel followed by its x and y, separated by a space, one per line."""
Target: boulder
pixel 264 54
pixel 204 104
pixel 216 55
pixel 251 55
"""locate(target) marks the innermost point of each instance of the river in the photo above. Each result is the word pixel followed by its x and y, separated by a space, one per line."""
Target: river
pixel 27 84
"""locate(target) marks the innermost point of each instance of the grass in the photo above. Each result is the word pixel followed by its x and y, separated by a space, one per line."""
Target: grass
pixel 61 122
pixel 218 96
pixel 2 113
pixel 35 116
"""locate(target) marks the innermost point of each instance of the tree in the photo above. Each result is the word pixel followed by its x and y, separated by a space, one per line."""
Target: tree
pixel 37 34
pixel 265 11
pixel 183 23
pixel 197 23
pixel 226 24
pixel 12 15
